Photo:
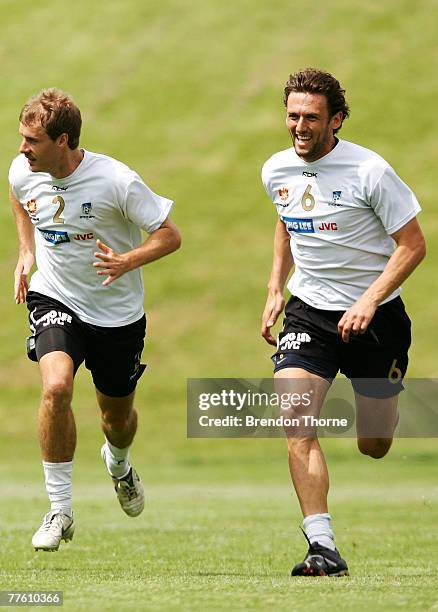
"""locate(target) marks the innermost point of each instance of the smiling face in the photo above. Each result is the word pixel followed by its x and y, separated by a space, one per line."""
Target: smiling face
pixel 310 125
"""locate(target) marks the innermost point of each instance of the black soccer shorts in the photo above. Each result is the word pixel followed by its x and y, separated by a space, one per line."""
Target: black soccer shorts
pixel 375 361
pixel 112 354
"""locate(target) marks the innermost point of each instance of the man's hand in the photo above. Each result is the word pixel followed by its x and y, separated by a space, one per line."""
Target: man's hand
pixel 274 306
pixel 21 287
pixel 113 264
pixel 356 319
pixel 159 243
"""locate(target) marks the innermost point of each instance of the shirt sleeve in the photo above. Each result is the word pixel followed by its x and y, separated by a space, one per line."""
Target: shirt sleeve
pixel 393 201
pixel 143 207
pixel 13 180
pixel 266 182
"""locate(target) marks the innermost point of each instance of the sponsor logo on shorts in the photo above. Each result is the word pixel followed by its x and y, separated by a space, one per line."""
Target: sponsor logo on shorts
pixel 55 236
pixel 53 317
pixel 293 340
pixel 300 226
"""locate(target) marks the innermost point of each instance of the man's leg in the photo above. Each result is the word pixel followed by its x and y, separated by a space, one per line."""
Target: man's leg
pixel 307 465
pixel 375 423
pixel 57 434
pixel 119 424
pixel 309 474
pixel 56 422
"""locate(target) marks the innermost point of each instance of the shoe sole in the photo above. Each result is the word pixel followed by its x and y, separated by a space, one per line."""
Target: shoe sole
pixel 66 537
pixel 313 573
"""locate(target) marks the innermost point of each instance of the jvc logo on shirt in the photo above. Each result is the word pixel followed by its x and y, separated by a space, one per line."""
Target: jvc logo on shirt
pixel 55 236
pixel 293 341
pixel 330 226
pixel 87 236
pixel 300 226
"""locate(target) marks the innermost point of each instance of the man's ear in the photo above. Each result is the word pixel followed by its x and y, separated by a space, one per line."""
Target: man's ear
pixel 337 120
pixel 62 140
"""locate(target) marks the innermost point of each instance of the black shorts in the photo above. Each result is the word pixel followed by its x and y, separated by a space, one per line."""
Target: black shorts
pixel 375 361
pixel 112 354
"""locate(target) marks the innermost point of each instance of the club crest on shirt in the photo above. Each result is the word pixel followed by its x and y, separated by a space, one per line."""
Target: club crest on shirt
pixel 86 210
pixel 336 196
pixel 31 206
pixel 283 192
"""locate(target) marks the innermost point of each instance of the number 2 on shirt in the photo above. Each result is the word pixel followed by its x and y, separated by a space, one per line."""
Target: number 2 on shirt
pixel 57 216
pixel 308 201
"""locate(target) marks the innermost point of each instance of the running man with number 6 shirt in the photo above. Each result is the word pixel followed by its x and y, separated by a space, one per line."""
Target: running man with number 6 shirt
pixel 348 224
pixel 84 212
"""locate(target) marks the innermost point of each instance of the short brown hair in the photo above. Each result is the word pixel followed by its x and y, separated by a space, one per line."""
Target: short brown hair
pixel 56 112
pixel 316 81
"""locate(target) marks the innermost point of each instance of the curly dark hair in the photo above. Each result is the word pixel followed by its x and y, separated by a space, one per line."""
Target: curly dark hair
pixel 316 81
pixel 56 112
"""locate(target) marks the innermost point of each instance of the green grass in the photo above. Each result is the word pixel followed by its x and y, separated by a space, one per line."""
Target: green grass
pixel 189 93
pixel 212 541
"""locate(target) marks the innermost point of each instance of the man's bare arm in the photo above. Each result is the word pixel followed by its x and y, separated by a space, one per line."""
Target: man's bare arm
pixel 410 250
pixel 163 241
pixel 281 266
pixel 26 258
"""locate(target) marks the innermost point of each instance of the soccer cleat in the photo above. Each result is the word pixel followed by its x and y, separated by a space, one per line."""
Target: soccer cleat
pixel 320 561
pixel 56 526
pixel 130 493
pixel 129 490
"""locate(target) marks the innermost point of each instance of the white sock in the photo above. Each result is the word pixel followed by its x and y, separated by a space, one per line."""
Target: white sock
pixel 117 460
pixel 318 529
pixel 58 485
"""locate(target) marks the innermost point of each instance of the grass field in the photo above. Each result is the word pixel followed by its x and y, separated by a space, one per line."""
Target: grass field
pixel 211 539
pixel 189 94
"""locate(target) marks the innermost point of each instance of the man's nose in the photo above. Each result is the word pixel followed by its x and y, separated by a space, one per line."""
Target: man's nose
pixel 301 125
pixel 24 147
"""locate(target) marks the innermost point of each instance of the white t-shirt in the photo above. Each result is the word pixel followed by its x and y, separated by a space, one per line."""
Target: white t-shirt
pixel 104 199
pixel 339 211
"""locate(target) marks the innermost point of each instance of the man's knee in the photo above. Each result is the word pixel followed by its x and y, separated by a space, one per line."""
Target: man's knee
pixel 374 447
pixel 118 420
pixel 300 446
pixel 57 393
pixel 118 413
